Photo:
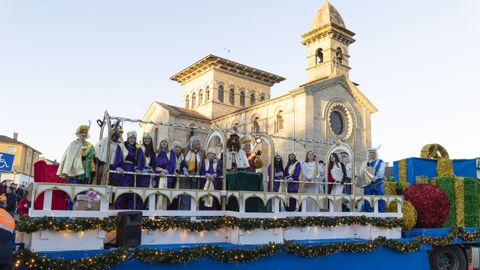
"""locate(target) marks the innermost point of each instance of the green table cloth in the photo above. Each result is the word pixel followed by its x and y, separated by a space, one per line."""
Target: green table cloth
pixel 248 181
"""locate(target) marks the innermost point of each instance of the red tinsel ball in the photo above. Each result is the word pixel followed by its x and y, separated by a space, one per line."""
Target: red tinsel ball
pixel 431 203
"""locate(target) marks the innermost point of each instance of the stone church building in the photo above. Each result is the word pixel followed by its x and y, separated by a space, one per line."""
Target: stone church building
pixel 224 93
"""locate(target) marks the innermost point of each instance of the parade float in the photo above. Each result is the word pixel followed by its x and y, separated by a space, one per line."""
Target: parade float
pixel 430 224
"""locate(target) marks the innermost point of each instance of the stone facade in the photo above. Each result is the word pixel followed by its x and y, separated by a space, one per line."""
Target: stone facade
pixel 328 107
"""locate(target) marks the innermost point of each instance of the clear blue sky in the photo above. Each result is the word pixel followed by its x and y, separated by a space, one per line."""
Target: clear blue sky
pixel 63 63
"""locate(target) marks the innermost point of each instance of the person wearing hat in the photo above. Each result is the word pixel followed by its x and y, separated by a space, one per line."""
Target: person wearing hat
pixel 77 164
pixel 128 158
pixel 7 227
pixel 161 166
pixel 193 158
pixel 176 166
pixel 162 161
pixel 236 157
pixel 101 153
pixel 146 164
pixel 293 171
pixel 212 169
pixel 345 159
pixel 377 185
pixel 254 160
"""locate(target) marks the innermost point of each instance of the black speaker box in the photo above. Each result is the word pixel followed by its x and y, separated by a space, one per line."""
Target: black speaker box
pixel 129 229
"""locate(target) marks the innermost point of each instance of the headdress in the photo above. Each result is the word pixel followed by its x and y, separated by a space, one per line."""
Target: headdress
pixel 177 143
pixel 82 128
pixel 132 134
pixel 246 140
pixel 211 150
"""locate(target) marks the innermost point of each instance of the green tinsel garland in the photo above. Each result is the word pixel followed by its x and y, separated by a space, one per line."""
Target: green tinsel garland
pixel 29 225
pixel 447 184
pixel 30 260
pixel 472 201
pixel 26 258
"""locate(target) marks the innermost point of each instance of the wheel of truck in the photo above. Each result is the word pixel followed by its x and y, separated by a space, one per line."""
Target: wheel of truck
pixel 448 258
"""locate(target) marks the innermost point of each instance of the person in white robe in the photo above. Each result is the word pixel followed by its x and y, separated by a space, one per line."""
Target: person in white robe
pixel 101 154
pixel 77 164
pixel 336 177
pixel 312 173
pixel 193 158
pixel 236 157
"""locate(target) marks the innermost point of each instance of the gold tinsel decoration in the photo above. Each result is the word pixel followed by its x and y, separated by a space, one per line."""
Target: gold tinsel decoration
pixel 445 167
pixel 403 185
pixel 460 201
pixel 403 170
pixel 390 188
pixel 438 152
pixel 434 151
pixel 409 214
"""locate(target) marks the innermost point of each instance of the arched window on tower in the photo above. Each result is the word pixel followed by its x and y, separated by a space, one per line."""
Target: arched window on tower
pixel 252 99
pixel 207 94
pixel 187 102
pixel 221 93
pixel 279 122
pixel 194 100
pixel 339 55
pixel 262 97
pixel 255 125
pixel 319 56
pixel 231 96
pixel 242 98
pixel 200 97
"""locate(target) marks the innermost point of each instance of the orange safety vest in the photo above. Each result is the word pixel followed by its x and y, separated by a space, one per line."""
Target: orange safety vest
pixel 6 221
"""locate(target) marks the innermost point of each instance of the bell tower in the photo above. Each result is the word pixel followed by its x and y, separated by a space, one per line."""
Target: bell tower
pixel 327 42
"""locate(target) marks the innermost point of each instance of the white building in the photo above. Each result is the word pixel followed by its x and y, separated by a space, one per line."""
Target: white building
pixel 329 106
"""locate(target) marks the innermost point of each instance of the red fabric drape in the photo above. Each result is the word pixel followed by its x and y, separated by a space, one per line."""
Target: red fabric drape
pixel 43 172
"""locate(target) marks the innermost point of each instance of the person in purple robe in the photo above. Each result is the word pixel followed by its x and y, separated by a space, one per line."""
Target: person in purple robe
pixel 128 158
pixel 146 164
pixel 211 168
pixel 177 166
pixel 293 171
pixel 278 173
pixel 162 163
pixel 162 160
pixel 148 160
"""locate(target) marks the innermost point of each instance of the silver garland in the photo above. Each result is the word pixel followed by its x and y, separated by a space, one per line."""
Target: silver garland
pixel 195 127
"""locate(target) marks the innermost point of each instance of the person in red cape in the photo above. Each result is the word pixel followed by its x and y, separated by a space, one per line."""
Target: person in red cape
pixel 254 159
pixel 23 205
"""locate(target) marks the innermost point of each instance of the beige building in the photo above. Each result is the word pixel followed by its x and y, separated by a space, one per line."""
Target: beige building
pixel 329 106
pixel 25 157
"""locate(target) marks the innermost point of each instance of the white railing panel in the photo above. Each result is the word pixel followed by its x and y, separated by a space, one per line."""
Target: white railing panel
pixel 241 196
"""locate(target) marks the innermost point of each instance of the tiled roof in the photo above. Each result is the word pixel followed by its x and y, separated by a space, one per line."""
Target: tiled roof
pixel 183 112
pixel 7 139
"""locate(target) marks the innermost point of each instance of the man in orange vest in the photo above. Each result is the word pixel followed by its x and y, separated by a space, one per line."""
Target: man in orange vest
pixel 7 226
